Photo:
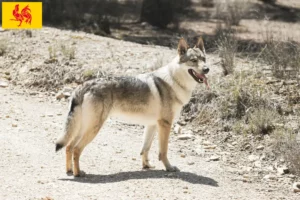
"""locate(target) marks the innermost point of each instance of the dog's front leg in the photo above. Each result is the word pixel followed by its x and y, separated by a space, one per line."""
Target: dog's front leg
pixel 164 128
pixel 149 133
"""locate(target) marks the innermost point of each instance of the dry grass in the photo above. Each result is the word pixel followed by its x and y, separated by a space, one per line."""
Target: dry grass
pixel 52 50
pixel 283 57
pixel 68 51
pixel 227 46
pixel 288 145
pixel 232 11
pixel 262 121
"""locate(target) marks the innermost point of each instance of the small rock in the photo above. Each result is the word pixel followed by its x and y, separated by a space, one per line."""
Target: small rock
pixel 3 84
pixel 190 163
pixel 59 96
pixel 234 143
pixel 185 137
pixel 214 158
pixel 260 147
pixel 282 170
pixel 14 125
pixel 253 158
pixel 133 158
pixel 210 147
pixel 67 94
pixel 257 164
pixel 296 187
pixel 182 155
pixel 206 143
pixel 177 129
pixel 270 177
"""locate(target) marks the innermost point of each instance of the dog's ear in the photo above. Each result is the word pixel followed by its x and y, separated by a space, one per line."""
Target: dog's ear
pixel 200 44
pixel 182 46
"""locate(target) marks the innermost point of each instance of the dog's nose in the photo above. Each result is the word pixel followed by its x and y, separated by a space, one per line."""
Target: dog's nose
pixel 205 70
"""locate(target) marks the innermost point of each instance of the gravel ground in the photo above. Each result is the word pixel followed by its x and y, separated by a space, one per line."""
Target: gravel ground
pixel 31 121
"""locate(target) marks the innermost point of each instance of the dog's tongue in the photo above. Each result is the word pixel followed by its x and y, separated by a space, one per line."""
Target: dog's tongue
pixel 203 77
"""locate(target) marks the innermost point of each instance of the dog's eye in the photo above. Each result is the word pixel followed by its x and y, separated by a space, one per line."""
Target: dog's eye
pixel 194 60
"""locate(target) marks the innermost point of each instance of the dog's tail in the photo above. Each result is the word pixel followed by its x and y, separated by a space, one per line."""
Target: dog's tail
pixel 73 124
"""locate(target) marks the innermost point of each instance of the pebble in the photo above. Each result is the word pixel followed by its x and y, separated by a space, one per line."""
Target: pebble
pixel 177 129
pixel 260 147
pixel 190 163
pixel 59 96
pixel 253 158
pixel 14 125
pixel 296 187
pixel 185 137
pixel 214 158
pixel 234 143
pixel 210 147
pixel 270 177
pixel 206 143
pixel 182 155
pixel 282 170
pixel 3 84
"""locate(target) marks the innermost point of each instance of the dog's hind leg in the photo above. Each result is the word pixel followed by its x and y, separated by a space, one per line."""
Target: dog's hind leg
pixel 149 133
pixel 69 153
pixel 164 128
pixel 94 114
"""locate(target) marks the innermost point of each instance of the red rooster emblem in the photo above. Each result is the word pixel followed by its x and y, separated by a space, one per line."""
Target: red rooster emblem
pixel 24 15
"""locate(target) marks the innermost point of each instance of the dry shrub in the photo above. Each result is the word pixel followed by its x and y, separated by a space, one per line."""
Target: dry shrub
pixel 227 46
pixel 49 76
pixel 262 121
pixel 283 57
pixel 232 11
pixel 240 93
pixel 288 145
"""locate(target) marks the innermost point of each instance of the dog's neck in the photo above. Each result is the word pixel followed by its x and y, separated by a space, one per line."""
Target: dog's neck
pixel 178 78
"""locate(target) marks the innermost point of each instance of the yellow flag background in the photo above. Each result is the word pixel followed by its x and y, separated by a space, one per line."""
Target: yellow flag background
pixel 9 21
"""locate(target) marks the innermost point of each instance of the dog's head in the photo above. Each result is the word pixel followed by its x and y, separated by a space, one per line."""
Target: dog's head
pixel 194 60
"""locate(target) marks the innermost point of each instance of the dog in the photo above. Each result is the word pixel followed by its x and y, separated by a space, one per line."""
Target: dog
pixel 153 99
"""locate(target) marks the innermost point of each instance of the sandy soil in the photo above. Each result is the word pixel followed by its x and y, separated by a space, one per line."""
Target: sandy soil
pixel 31 121
pixel 32 170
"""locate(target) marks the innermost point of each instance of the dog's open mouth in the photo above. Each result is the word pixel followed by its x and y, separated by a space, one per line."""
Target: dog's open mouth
pixel 200 78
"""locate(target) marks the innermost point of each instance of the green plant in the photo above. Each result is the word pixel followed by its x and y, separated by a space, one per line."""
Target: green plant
pixel 68 51
pixel 52 52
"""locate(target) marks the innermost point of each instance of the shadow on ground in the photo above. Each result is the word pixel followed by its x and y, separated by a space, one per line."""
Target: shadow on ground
pixel 275 12
pixel 150 174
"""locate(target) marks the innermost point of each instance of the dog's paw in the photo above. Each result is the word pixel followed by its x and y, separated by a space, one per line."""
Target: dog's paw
pixel 69 173
pixel 148 166
pixel 80 174
pixel 173 169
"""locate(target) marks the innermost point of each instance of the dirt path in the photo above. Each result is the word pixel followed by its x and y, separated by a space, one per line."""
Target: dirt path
pixel 30 168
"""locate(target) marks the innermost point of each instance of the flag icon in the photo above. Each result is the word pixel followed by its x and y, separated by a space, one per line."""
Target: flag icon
pixel 22 15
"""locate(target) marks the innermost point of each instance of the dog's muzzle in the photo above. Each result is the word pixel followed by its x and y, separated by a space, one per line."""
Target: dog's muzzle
pixel 199 77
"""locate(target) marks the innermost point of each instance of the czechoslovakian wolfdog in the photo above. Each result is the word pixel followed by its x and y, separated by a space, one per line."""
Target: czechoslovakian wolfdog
pixel 153 99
